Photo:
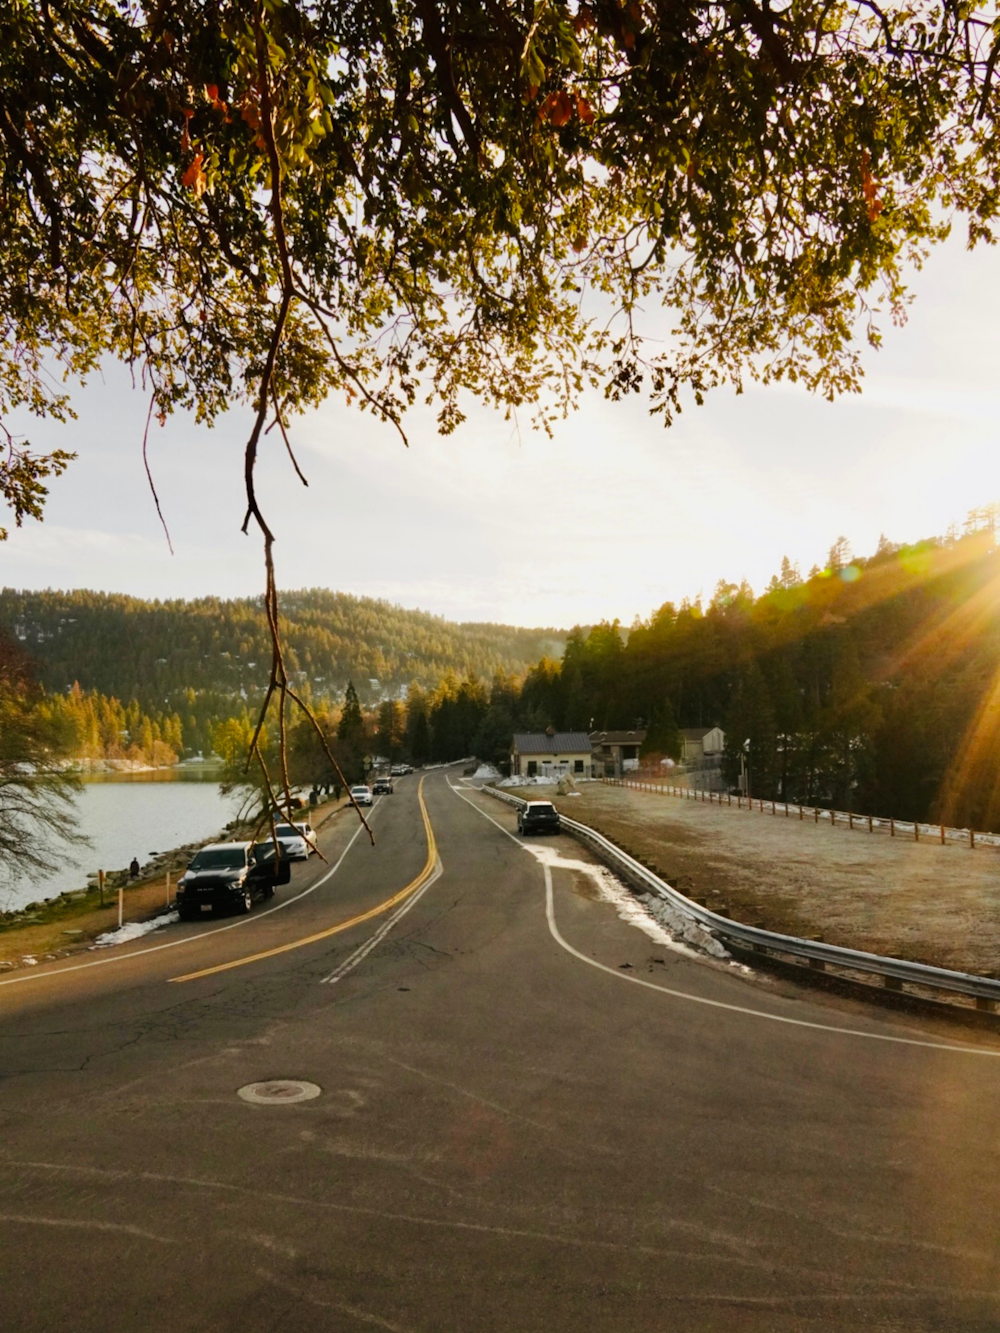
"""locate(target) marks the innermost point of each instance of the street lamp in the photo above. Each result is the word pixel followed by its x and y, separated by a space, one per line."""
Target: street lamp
pixel 744 769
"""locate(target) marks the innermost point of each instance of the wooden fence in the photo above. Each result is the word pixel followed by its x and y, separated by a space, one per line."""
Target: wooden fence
pixel 895 828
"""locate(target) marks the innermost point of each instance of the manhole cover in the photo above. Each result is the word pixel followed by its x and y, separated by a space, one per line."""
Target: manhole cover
pixel 279 1090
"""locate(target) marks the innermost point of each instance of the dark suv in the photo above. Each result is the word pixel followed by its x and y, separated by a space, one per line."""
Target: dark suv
pixel 382 786
pixel 228 875
pixel 538 817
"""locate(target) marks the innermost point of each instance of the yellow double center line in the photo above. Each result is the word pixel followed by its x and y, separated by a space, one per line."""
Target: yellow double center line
pixel 412 887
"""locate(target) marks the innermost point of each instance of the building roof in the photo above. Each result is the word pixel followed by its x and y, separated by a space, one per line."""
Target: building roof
pixel 697 733
pixel 560 742
pixel 635 737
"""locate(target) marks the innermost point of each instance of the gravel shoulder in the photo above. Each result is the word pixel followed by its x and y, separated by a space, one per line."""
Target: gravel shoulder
pixel 920 901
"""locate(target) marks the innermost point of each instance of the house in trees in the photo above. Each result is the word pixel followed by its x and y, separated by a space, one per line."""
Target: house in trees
pixel 698 743
pixel 616 752
pixel 701 757
pixel 551 754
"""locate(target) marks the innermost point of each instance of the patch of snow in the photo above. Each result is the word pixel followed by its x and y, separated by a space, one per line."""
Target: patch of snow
pixel 134 930
pixel 655 918
pixel 541 781
pixel 29 961
pixel 486 771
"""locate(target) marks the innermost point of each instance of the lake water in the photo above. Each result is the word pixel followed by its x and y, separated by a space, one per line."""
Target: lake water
pixel 127 815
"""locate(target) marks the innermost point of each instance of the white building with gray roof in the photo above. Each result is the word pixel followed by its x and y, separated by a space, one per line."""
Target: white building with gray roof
pixel 549 753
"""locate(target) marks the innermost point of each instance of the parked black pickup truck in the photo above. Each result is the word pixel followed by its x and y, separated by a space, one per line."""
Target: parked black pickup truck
pixel 227 875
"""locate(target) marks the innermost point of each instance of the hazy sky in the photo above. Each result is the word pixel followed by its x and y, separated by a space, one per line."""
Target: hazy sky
pixel 611 518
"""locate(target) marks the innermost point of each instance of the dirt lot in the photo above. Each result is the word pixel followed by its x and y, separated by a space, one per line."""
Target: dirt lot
pixel 920 901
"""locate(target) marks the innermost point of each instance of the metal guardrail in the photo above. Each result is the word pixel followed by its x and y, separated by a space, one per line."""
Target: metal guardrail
pixel 896 828
pixel 895 972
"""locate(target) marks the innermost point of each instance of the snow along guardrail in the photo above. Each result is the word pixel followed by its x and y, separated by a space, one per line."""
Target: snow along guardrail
pixel 895 972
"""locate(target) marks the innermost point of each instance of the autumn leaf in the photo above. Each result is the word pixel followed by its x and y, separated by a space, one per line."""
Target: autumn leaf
pixel 557 109
pixel 579 243
pixel 869 189
pixel 585 111
pixel 194 177
pixel 212 93
pixel 249 113
pixel 585 19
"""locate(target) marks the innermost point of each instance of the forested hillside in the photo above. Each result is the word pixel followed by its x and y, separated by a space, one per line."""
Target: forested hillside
pixel 874 685
pixel 205 659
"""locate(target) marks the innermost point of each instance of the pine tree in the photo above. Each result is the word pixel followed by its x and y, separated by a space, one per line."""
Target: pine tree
pixel 663 737
pixel 790 575
pixel 840 554
pixel 351 726
pixel 420 742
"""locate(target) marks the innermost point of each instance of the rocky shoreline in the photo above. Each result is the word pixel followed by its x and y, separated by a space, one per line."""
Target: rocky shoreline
pixel 56 927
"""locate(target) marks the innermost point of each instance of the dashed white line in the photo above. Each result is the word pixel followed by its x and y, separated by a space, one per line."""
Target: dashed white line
pixel 361 953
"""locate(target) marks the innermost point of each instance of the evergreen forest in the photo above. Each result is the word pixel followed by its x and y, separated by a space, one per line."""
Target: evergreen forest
pixel 183 668
pixel 873 685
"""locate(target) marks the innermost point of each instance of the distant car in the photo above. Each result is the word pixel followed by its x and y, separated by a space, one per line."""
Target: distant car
pixel 293 844
pixel 537 817
pixel 397 770
pixel 227 875
pixel 382 787
pixel 361 795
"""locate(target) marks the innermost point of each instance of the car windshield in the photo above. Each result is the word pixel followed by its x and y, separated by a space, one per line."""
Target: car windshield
pixel 220 858
pixel 358 791
pixel 287 831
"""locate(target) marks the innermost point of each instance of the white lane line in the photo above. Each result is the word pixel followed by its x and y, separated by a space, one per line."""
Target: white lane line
pixel 191 939
pixel 361 953
pixel 83 1224
pixel 716 1004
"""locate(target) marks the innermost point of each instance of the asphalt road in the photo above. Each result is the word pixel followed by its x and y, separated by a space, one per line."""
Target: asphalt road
pixel 515 1131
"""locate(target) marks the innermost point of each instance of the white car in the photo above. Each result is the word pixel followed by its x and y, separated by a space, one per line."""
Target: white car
pixel 293 844
pixel 309 833
pixel 361 795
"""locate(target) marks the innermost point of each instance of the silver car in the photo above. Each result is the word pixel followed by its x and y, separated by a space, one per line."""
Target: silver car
pixel 293 844
pixel 309 834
